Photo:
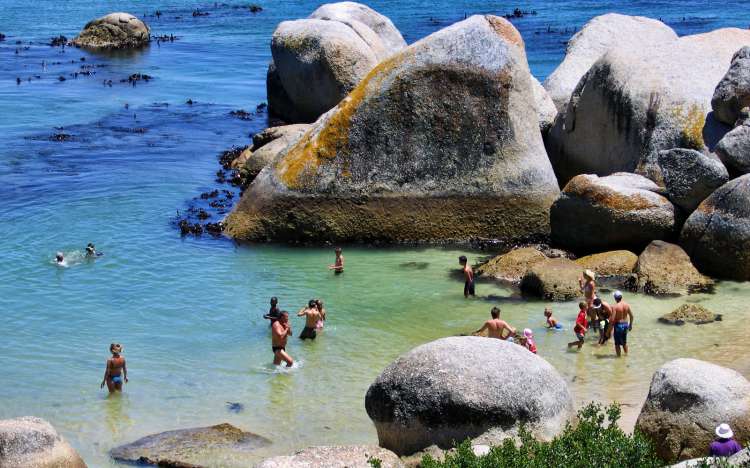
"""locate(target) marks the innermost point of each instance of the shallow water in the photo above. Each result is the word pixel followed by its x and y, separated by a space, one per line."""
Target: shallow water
pixel 188 310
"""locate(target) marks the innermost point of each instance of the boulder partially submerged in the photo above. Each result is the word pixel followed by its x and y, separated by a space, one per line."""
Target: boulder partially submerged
pixel 733 91
pixel 30 442
pixel 717 234
pixel 318 60
pixel 596 37
pixel 612 263
pixel 342 456
pixel 186 447
pixel 437 394
pixel 554 279
pixel 686 401
pixel 690 313
pixel 114 31
pixel 666 269
pixel 266 146
pixel 632 103
pixel 513 265
pixel 440 141
pixel 621 210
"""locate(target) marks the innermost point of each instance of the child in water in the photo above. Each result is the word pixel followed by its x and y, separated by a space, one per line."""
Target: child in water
pixel 116 370
pixel 551 321
pixel 527 340
pixel 322 310
pixel 581 326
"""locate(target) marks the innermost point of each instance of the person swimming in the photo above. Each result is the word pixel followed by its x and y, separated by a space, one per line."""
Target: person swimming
pixel 551 321
pixel 116 371
pixel 59 258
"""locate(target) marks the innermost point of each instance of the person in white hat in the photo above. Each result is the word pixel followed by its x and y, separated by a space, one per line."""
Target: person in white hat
pixel 724 445
pixel 621 322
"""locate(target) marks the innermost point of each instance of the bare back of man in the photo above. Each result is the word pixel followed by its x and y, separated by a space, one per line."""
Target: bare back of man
pixel 622 323
pixel 496 328
pixel 280 331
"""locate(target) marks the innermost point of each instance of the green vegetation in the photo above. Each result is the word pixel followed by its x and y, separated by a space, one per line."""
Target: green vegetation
pixel 596 441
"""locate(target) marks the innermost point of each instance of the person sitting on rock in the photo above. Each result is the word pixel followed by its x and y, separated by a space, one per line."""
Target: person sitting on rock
pixel 551 321
pixel 724 445
pixel 468 276
pixel 496 327
pixel 338 264
pixel 580 327
pixel 116 371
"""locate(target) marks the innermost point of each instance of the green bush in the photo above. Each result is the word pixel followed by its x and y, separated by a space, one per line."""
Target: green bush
pixel 595 441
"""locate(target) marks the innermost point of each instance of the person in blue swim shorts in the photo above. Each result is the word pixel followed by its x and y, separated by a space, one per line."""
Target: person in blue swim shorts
pixel 116 372
pixel 622 318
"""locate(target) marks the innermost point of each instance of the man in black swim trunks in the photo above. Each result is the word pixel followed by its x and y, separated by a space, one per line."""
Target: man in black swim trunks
pixel 468 276
pixel 280 331
pixel 273 312
pixel 312 315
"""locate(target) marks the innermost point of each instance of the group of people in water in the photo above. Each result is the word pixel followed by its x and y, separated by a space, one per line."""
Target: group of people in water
pixel 90 253
pixel 607 320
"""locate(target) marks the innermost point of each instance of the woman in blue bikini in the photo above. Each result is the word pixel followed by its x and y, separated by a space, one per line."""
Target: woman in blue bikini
pixel 116 372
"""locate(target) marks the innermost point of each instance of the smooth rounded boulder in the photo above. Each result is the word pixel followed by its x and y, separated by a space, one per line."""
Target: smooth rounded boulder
pixel 612 263
pixel 665 269
pixel 733 91
pixel 30 442
pixel 689 176
pixel 545 107
pixel 595 38
pixel 342 456
pixel 621 210
pixel 441 141
pixel 511 266
pixel 114 31
pixel 266 145
pixel 734 149
pixel 687 399
pixel 717 234
pixel 553 279
pixel 437 394
pixel 349 12
pixel 631 104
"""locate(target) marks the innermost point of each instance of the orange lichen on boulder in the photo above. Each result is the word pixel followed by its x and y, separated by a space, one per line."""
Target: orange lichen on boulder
pixel 580 186
pixel 504 29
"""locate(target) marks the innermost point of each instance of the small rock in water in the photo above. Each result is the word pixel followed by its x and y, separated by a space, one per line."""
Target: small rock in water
pixel 2 37
pixel 255 8
pixel 690 313
pixel 135 77
pixel 61 137
pixel 60 78
pixel 58 41
pixel 235 407
pixel 200 13
pixel 414 265
pixel 241 114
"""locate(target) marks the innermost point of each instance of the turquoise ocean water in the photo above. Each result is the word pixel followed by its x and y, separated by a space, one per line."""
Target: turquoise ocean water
pixel 187 310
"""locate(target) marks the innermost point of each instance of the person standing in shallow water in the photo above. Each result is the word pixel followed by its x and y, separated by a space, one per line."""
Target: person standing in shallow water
pixel 116 372
pixel 312 316
pixel 496 327
pixel 468 276
pixel 280 331
pixel 338 264
pixel 621 325
pixel 273 311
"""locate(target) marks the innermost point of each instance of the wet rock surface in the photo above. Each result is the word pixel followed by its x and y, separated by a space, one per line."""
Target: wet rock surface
pixel 30 442
pixel 436 394
pixel 666 269
pixel 511 266
pixel 191 447
pixel 687 399
pixel 554 279
pixel 114 31
pixel 690 313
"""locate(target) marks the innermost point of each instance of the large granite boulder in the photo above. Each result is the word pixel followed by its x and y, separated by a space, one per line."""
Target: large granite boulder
pixel 187 447
pixel 30 442
pixel 114 31
pixel 317 61
pixel 554 279
pixel 665 269
pixel 690 313
pixel 734 149
pixel 351 12
pixel 511 266
pixel 344 456
pixel 717 234
pixel 441 141
pixel 595 38
pixel 733 91
pixel 632 103
pixel 437 394
pixel 266 145
pixel 689 176
pixel 545 107
pixel 612 263
pixel 687 400
pixel 620 210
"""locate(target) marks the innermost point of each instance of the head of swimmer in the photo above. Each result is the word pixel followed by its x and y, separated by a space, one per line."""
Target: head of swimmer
pixel 59 257
pixel 462 260
pixel 495 312
pixel 115 349
pixel 311 304
pixel 274 301
pixel 338 251
pixel 283 317
pixel 319 304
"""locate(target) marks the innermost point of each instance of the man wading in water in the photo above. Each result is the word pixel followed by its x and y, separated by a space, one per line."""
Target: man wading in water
pixel 280 331
pixel 338 264
pixel 312 315
pixel 620 314
pixel 495 327
pixel 468 276
pixel 116 370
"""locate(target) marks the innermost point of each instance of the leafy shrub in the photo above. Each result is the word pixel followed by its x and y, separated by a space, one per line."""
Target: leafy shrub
pixel 596 441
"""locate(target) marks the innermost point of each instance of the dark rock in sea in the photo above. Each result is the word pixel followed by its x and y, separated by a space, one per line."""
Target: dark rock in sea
pixel 189 102
pixel 136 77
pixel 211 194
pixel 58 41
pixel 18 81
pixel 114 31
pixel 30 442
pixel 214 228
pixel 518 13
pixel 61 137
pixel 202 214
pixel 2 37
pixel 690 313
pixel 255 8
pixel 436 394
pixel 234 407
pixel 61 78
pixel 186 447
pixel 241 114
pixel 687 399
pixel 197 13
pixel 226 157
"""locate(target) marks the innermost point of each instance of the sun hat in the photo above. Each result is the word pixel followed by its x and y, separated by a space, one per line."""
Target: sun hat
pixel 528 333
pixel 589 274
pixel 724 431
pixel 597 303
pixel 617 295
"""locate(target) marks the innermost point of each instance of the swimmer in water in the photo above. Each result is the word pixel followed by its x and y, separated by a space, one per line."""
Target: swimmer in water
pixel 90 250
pixel 496 327
pixel 468 276
pixel 338 265
pixel 273 311
pixel 322 310
pixel 551 321
pixel 312 315
pixel 116 372
pixel 280 331
pixel 59 258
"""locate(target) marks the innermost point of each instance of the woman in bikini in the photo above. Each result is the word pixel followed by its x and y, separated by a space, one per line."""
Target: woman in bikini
pixel 588 288
pixel 322 310
pixel 116 372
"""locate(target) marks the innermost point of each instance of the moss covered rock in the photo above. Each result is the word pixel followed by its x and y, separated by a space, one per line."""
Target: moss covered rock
pixel 440 141
pixel 554 279
pixel 513 265
pixel 613 263
pixel 690 313
pixel 114 31
pixel 665 269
